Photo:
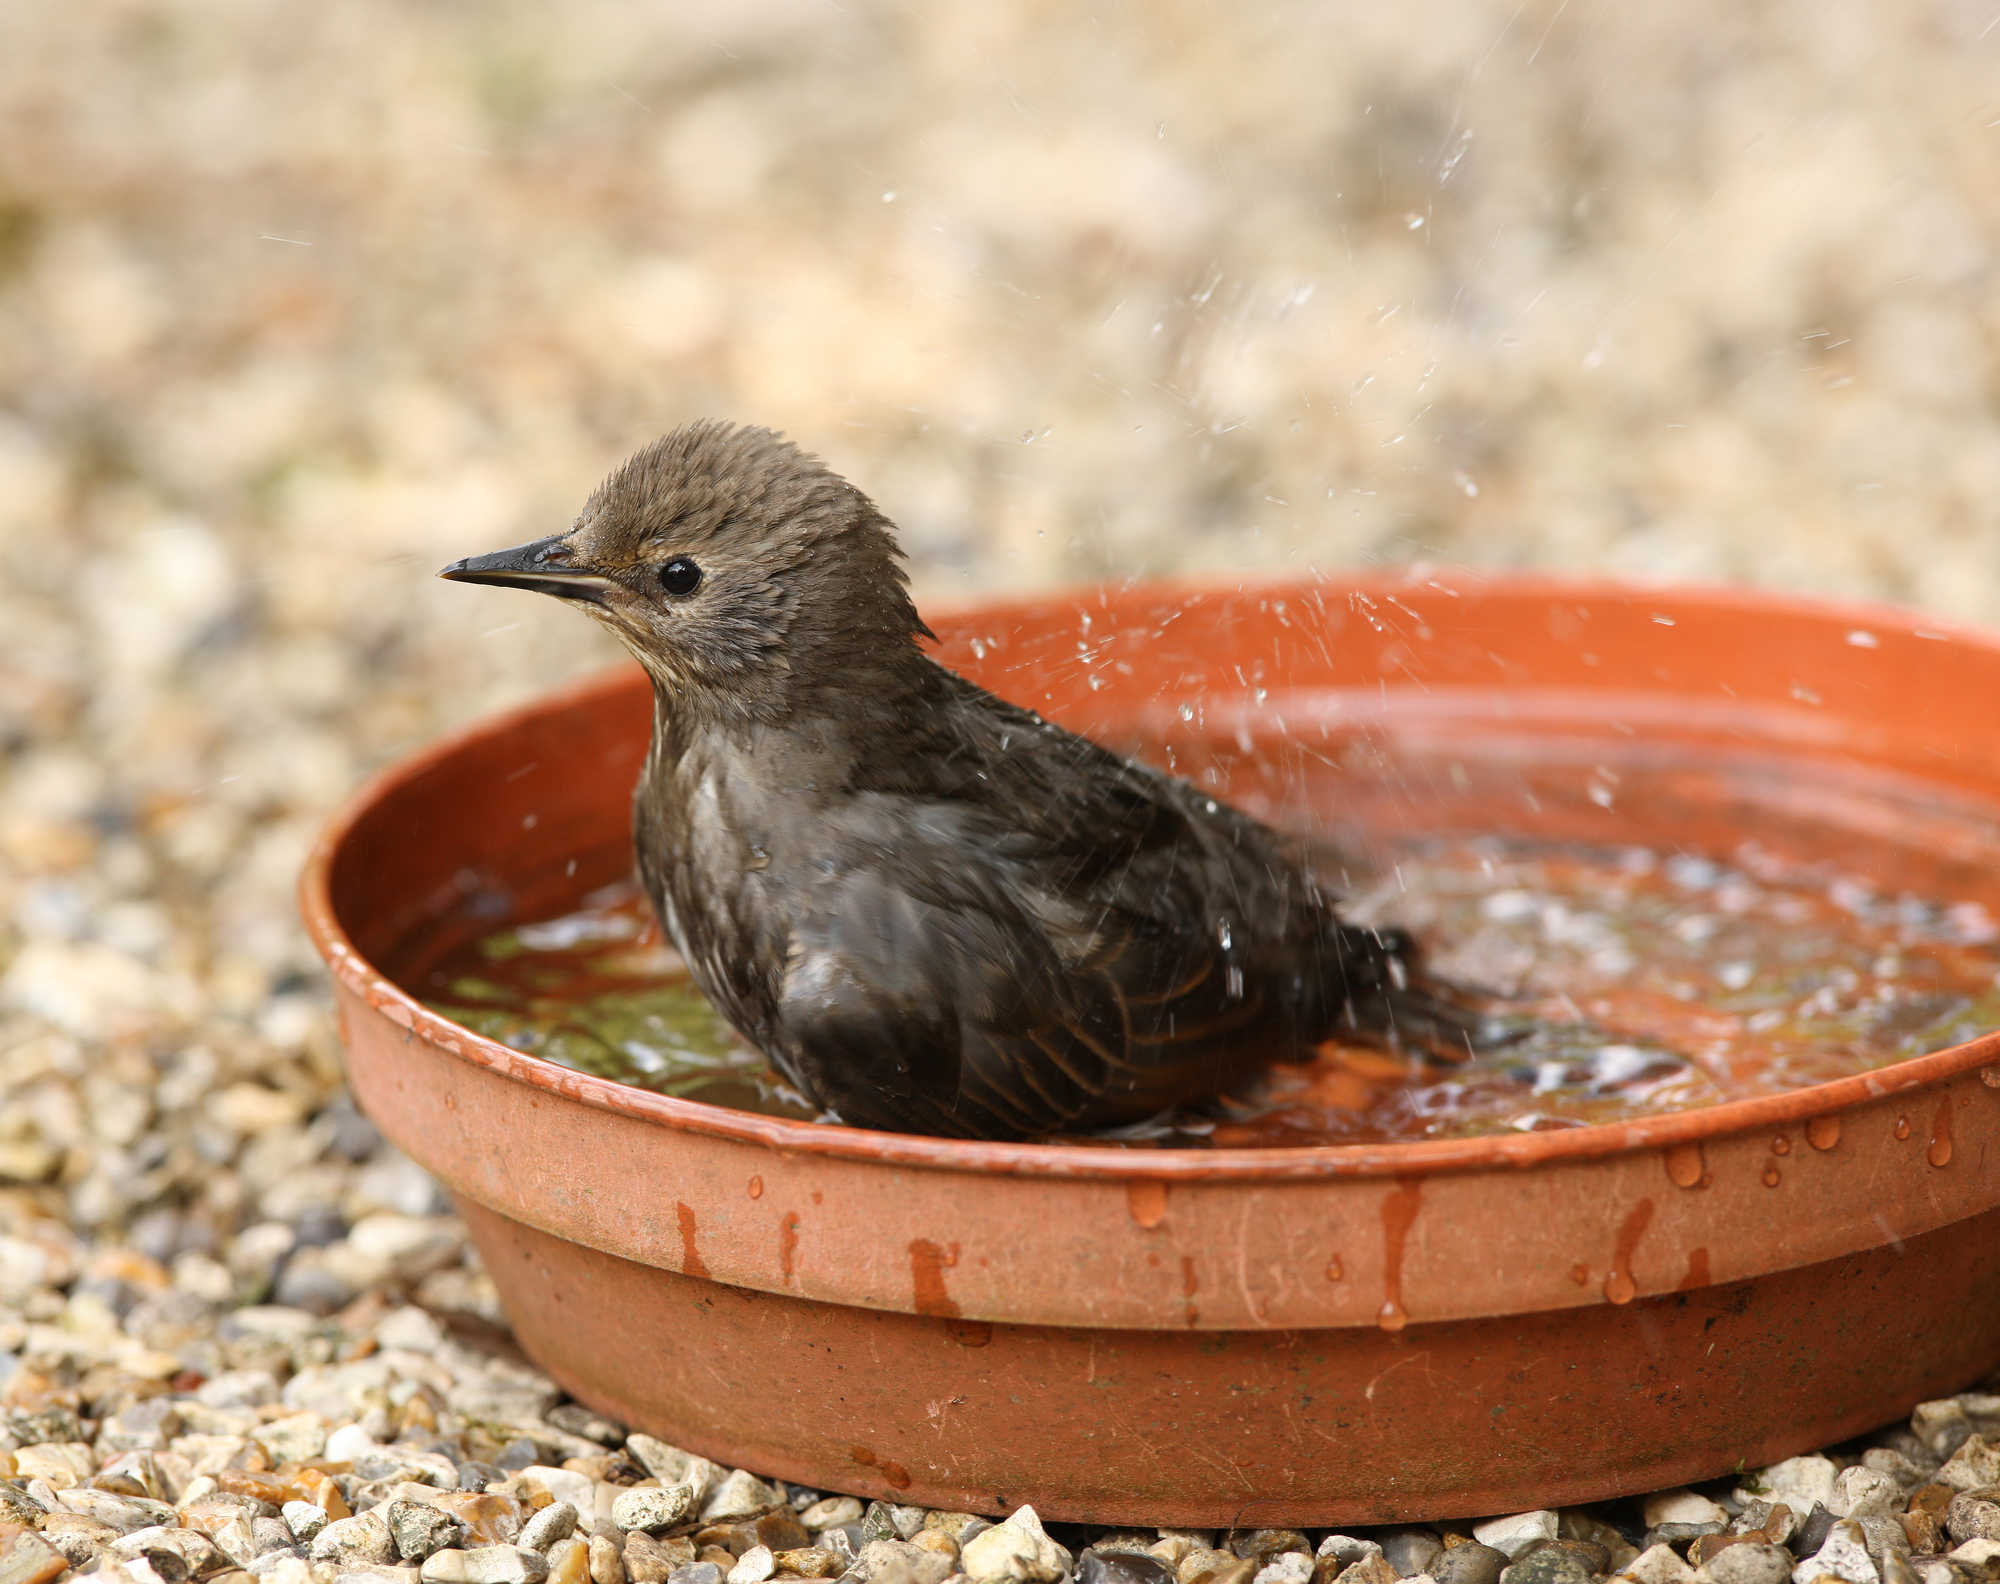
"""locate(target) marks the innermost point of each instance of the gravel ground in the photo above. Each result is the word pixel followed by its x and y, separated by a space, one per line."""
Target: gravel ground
pixel 298 304
pixel 156 1429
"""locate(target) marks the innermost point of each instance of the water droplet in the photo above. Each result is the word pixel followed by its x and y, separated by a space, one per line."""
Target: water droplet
pixel 1939 1153
pixel 1620 1288
pixel 1823 1132
pixel 1413 220
pixel 1160 131
pixel 1684 1165
pixel 1187 712
pixel 888 195
pixel 1335 1271
pixel 1781 1145
pixel 1771 1174
pixel 1391 1316
pixel 1902 1127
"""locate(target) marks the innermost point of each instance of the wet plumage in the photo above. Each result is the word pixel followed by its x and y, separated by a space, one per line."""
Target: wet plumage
pixel 932 910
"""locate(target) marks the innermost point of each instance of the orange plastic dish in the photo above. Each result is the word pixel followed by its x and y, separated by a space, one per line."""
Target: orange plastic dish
pixel 1305 1336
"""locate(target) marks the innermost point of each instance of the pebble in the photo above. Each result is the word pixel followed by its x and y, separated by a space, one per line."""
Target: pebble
pixel 557 1521
pixel 671 1466
pixel 1801 1483
pixel 648 1561
pixel 499 1564
pixel 754 1566
pixel 1019 1549
pixel 1410 1551
pixel 740 1494
pixel 174 1553
pixel 1974 1515
pixel 420 1530
pixel 607 1561
pixel 1942 1425
pixel 1123 1567
pixel 1976 1463
pixel 1345 1550
pixel 1747 1562
pixel 304 1519
pixel 1657 1564
pixel 831 1511
pixel 1844 1554
pixel 1260 1545
pixel 696 1573
pixel 569 1561
pixel 1289 1567
pixel 1681 1506
pixel 1861 1492
pixel 1548 1565
pixel 1514 1535
pixel 1206 1566
pixel 653 1509
pixel 1472 1563
pixel 26 1558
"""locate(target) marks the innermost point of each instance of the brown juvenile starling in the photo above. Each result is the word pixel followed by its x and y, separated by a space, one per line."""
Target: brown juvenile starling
pixel 933 910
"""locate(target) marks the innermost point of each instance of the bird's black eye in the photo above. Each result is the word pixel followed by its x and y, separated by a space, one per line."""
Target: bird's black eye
pixel 680 577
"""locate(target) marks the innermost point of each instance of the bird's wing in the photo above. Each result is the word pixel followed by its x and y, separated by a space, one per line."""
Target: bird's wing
pixel 896 990
pixel 947 978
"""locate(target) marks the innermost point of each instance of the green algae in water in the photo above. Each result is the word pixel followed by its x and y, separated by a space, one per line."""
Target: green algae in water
pixel 1639 983
pixel 594 991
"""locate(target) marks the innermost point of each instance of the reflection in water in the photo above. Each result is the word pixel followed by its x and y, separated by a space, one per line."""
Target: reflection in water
pixel 1640 983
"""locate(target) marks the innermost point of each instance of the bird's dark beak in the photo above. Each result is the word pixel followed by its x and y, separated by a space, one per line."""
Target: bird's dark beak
pixel 544 566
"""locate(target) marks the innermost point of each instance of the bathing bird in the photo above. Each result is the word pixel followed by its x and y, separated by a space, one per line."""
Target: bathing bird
pixel 933 910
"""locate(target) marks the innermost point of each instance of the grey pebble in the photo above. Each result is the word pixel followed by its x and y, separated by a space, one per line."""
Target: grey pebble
pixel 696 1573
pixel 1409 1551
pixel 899 1562
pixel 126 1514
pixel 579 1420
pixel 421 1530
pixel 653 1508
pixel 496 1564
pixel 1812 1531
pixel 1748 1563
pixel 557 1521
pixel 1548 1565
pixel 518 1454
pixel 1124 1567
pixel 1469 1564
pixel 305 1520
pixel 354 1542
pixel 272 1534
pixel 1974 1514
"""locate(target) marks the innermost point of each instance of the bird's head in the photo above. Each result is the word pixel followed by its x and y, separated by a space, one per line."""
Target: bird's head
pixel 742 573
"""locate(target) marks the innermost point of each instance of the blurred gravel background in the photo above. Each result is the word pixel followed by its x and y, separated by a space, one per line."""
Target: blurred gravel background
pixel 298 303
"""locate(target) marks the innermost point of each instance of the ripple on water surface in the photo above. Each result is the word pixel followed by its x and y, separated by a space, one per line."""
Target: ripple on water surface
pixel 1638 982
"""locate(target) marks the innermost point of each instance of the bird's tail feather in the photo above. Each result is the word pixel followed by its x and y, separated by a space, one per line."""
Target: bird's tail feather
pixel 1396 1002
